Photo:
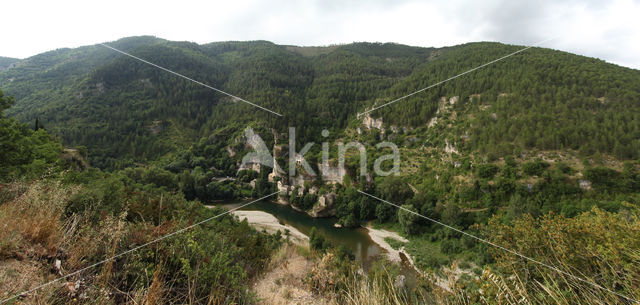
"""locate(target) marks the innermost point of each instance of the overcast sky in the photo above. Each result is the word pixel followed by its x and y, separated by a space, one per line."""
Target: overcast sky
pixel 609 30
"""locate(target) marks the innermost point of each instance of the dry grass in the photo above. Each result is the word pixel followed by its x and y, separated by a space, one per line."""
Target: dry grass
pixel 381 288
pixel 31 231
pixel 155 292
pixel 511 289
pixel 35 216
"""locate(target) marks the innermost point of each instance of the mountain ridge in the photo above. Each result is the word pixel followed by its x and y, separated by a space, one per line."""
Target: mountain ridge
pixel 113 96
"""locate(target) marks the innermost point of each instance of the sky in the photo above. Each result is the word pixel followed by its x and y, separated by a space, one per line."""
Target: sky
pixel 609 30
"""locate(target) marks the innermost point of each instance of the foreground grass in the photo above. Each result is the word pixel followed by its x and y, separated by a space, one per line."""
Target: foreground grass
pixel 49 229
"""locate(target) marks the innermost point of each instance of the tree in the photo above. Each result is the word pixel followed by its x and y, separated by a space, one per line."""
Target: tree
pixel 602 177
pixel 385 212
pixel 487 171
pixel 5 103
pixel 409 222
pixel 24 152
pixel 452 215
pixel 395 189
pixel 317 241
pixel 535 168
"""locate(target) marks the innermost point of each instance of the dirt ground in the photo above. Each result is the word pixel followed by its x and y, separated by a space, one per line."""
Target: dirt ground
pixel 284 283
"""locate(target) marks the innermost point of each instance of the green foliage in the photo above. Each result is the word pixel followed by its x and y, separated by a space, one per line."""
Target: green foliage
pixel 394 243
pixel 409 222
pixel 317 241
pixel 564 168
pixel 175 139
pixel 595 242
pixel 534 168
pixel 5 103
pixel 393 188
pixel 25 153
pixel 385 212
pixel 220 255
pixel 602 177
pixel 487 171
pixel 95 97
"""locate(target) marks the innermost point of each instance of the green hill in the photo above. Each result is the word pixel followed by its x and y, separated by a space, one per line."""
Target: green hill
pixel 6 62
pixel 538 152
pixel 541 98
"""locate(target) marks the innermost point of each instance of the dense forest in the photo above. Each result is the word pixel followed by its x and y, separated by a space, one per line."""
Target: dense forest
pixel 512 152
pixel 6 62
pixel 547 99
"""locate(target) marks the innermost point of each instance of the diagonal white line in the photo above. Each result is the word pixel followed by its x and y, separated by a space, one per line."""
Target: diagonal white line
pixel 454 77
pixel 503 248
pixel 135 249
pixel 191 79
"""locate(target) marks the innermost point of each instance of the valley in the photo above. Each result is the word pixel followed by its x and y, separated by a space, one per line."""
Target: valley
pixel 414 202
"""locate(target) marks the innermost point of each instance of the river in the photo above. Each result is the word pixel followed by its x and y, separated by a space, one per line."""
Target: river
pixel 356 240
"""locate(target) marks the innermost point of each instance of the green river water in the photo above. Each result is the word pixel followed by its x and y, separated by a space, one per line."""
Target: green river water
pixel 356 240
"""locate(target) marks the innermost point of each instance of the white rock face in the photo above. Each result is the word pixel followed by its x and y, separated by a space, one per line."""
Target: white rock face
pixel 313 190
pixel 449 148
pixel 453 100
pixel 285 190
pixel 432 122
pixel 324 207
pixel 585 184
pixel 231 152
pixel 370 122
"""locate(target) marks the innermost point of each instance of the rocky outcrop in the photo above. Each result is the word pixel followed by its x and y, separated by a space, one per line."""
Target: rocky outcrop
pixel 276 171
pixel 432 122
pixel 584 184
pixel 449 148
pixel 371 123
pixel 325 206
pixel 330 174
pixel 252 163
pixel 231 152
pixel 285 190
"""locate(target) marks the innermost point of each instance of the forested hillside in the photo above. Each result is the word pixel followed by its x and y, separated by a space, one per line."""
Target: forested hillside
pixel 6 62
pixel 541 144
pixel 94 96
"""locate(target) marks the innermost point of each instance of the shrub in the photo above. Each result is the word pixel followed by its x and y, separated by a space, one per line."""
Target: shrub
pixel 487 171
pixel 534 168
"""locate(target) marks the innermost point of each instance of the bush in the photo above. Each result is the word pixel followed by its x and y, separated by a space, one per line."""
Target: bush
pixel 564 168
pixel 450 246
pixel 487 171
pixel 317 241
pixel 602 177
pixel 535 168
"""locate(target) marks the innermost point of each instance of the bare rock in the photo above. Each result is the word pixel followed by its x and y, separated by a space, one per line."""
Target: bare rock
pixel 371 123
pixel 325 206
